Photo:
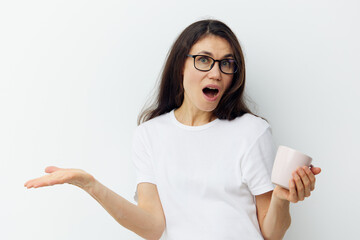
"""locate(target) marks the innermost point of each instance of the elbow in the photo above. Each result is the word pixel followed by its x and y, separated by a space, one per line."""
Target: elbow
pixel 279 233
pixel 156 234
pixel 288 223
pixel 159 234
pixel 160 231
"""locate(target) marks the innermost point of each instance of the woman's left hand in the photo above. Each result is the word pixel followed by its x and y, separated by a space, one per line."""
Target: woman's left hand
pixel 300 186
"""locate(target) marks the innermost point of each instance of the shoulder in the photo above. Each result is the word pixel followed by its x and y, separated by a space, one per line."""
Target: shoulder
pixel 248 124
pixel 154 124
pixel 253 121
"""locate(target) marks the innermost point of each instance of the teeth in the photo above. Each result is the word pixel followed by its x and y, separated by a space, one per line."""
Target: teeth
pixel 211 88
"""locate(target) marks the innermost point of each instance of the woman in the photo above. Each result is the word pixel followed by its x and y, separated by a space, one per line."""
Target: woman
pixel 203 160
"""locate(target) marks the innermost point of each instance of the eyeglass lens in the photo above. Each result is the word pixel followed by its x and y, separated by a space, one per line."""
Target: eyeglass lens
pixel 205 63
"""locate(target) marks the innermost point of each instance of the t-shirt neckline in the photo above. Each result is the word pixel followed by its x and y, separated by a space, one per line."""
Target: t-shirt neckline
pixel 191 128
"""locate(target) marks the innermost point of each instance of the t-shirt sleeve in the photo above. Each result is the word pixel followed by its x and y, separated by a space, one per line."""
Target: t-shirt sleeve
pixel 141 157
pixel 258 162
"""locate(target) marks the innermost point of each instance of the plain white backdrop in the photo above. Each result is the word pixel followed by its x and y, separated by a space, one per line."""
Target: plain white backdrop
pixel 75 74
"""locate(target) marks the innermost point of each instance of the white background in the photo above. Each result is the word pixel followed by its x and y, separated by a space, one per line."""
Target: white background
pixel 75 74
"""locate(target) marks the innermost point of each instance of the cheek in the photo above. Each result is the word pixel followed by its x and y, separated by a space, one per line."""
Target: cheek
pixel 192 79
pixel 189 84
pixel 227 82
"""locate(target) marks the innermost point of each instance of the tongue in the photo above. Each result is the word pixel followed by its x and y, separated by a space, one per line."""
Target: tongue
pixel 210 92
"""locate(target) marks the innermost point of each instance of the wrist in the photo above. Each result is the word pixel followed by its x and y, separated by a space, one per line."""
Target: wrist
pixel 91 185
pixel 278 196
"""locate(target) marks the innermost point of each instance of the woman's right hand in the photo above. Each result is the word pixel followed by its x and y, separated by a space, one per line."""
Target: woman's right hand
pixel 57 175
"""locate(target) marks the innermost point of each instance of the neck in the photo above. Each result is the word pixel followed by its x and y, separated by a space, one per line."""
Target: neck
pixel 193 117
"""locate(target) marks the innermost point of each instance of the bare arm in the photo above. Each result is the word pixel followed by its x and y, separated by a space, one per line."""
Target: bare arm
pixel 273 207
pixel 276 220
pixel 129 215
pixel 146 220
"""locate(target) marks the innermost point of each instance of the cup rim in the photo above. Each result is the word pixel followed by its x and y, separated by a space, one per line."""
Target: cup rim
pixel 294 150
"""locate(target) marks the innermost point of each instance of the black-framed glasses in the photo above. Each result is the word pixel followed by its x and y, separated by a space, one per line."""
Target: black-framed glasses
pixel 205 63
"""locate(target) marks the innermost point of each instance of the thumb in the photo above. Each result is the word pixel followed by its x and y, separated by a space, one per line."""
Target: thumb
pixel 51 169
pixel 316 170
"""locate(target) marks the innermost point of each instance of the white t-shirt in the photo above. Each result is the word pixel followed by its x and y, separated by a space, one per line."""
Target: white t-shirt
pixel 206 176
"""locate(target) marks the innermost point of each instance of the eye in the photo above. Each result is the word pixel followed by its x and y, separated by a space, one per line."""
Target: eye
pixel 226 62
pixel 203 59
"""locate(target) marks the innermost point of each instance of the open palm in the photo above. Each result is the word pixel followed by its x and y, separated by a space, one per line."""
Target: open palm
pixel 57 175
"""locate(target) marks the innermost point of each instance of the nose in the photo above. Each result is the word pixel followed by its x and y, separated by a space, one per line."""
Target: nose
pixel 215 72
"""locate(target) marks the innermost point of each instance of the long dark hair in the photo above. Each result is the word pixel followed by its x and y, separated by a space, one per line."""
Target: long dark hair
pixel 171 91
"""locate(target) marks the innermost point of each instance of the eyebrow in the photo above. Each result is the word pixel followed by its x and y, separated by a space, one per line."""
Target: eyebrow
pixel 210 54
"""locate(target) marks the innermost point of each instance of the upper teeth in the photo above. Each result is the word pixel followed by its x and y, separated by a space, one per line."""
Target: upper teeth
pixel 211 88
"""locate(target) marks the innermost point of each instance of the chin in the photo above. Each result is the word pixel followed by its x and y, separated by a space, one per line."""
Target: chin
pixel 209 108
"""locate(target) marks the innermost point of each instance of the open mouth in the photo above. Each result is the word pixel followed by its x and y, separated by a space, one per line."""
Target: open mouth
pixel 210 92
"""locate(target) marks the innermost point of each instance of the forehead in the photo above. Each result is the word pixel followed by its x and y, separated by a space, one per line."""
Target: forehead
pixel 213 44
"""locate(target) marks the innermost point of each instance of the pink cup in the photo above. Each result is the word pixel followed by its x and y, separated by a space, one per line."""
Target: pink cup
pixel 287 160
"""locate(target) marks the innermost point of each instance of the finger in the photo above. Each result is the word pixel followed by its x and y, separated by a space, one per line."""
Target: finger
pixel 51 169
pixel 299 186
pixel 316 170
pixel 44 183
pixel 27 183
pixel 311 176
pixel 292 194
pixel 306 181
pixel 47 180
pixel 30 183
pixel 37 182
